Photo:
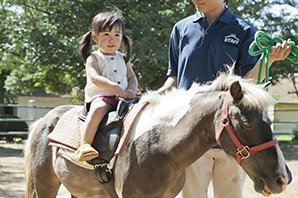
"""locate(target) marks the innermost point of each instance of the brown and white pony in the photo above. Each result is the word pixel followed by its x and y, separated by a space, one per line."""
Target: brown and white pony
pixel 171 133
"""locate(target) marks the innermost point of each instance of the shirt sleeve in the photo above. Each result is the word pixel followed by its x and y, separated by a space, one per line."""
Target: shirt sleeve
pixel 246 62
pixel 173 54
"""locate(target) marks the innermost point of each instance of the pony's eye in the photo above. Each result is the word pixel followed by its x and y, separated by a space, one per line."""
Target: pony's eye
pixel 247 124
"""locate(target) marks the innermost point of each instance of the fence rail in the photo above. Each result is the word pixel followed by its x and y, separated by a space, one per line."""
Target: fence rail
pixel 32 107
pixel 285 131
pixel 14 133
pixel 15 120
pixel 25 106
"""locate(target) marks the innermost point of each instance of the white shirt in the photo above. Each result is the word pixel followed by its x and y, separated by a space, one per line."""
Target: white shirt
pixel 112 67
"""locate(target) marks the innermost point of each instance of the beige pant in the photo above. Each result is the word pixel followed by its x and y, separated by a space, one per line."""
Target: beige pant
pixel 226 175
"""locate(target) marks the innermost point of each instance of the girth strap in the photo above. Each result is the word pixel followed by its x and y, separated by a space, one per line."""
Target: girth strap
pixel 128 125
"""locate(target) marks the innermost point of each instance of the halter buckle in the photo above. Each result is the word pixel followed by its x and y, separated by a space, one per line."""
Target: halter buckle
pixel 225 121
pixel 243 152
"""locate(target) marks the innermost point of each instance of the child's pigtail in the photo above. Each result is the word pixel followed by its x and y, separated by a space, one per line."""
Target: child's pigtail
pixel 86 45
pixel 126 48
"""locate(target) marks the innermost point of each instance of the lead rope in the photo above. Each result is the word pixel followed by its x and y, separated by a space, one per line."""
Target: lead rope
pixel 265 43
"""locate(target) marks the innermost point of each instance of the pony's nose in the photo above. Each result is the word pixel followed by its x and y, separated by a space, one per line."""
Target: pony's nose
pixel 281 181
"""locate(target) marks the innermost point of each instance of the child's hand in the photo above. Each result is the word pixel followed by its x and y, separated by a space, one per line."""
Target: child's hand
pixel 280 51
pixel 119 92
pixel 130 94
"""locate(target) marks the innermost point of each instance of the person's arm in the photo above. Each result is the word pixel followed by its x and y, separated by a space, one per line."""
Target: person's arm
pixel 100 81
pixel 132 82
pixel 171 81
pixel 278 52
pixel 169 84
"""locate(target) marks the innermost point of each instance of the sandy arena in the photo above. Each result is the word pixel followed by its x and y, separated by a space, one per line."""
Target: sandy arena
pixel 12 173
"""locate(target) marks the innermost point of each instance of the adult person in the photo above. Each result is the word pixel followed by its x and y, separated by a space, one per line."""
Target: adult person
pixel 200 46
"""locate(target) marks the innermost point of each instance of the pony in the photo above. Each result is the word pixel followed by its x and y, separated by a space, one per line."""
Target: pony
pixel 171 133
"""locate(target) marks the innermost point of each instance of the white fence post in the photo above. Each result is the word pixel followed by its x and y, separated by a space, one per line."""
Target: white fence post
pixel 32 110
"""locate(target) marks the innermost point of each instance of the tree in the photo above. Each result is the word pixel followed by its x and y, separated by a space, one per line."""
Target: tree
pixel 284 24
pixel 277 18
pixel 44 48
pixel 7 42
pixel 50 32
pixel 40 38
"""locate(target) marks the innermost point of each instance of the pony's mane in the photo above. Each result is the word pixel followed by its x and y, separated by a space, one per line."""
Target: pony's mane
pixel 254 96
pixel 167 109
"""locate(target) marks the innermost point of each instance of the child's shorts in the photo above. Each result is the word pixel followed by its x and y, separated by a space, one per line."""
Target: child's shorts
pixel 112 100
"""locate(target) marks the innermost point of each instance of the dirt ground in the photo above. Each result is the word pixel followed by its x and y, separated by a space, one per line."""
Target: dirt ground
pixel 12 174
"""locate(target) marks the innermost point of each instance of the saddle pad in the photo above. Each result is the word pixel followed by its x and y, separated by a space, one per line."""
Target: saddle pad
pixel 67 133
pixel 69 155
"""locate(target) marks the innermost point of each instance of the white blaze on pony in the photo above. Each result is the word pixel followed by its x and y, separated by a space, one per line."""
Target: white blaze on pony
pixel 164 110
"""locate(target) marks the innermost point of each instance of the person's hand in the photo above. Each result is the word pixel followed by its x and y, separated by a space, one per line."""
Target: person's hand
pixel 280 51
pixel 119 92
pixel 130 94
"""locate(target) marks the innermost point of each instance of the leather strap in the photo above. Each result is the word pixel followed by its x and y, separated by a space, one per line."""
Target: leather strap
pixel 128 124
pixel 243 152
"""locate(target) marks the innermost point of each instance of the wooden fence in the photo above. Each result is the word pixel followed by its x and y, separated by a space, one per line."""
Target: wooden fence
pixel 285 121
pixel 31 118
pixel 288 127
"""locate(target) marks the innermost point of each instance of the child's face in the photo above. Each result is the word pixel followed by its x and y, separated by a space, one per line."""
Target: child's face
pixel 108 41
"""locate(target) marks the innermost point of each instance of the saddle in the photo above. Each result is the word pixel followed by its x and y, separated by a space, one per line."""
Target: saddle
pixel 106 142
pixel 109 131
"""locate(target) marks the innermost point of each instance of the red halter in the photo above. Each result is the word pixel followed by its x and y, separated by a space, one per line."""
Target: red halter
pixel 243 151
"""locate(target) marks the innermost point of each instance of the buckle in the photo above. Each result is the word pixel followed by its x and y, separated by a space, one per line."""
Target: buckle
pixel 225 121
pixel 243 152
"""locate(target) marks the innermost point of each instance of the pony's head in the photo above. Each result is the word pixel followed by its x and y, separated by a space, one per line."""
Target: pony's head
pixel 248 136
pixel 246 115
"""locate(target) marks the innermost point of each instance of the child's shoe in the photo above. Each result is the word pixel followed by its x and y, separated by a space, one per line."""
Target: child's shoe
pixel 86 152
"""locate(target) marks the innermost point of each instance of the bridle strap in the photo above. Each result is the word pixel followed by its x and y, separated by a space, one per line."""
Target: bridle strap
pixel 226 124
pixel 263 146
pixel 243 151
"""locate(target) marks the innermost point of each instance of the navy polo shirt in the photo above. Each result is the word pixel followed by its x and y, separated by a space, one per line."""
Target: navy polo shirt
pixel 197 51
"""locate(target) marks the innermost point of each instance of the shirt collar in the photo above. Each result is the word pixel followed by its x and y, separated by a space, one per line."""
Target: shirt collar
pixel 197 16
pixel 225 17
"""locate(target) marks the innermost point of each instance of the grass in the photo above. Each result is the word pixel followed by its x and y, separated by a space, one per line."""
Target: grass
pixel 285 137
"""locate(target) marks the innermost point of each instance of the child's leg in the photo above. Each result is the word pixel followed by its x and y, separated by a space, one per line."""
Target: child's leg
pixel 96 113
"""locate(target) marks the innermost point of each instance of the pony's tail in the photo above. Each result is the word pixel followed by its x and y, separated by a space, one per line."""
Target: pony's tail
pixel 85 45
pixel 28 162
pixel 126 48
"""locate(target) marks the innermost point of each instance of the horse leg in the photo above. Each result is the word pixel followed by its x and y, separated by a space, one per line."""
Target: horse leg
pixel 41 179
pixel 45 179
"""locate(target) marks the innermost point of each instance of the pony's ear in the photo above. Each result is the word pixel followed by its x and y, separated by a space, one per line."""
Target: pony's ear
pixel 236 91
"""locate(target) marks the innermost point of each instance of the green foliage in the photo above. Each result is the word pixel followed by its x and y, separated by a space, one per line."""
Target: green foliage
pixel 282 24
pixel 39 39
pixel 43 53
pixel 295 138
